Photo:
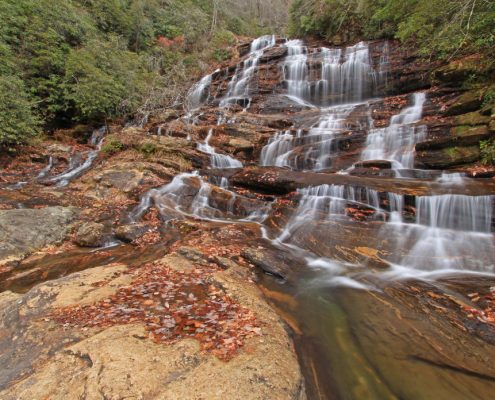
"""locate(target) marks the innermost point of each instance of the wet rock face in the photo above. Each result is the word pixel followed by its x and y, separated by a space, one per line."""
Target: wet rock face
pixel 27 230
pixel 90 234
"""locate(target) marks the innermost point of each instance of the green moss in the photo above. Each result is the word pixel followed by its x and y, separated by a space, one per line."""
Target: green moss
pixel 466 130
pixel 451 152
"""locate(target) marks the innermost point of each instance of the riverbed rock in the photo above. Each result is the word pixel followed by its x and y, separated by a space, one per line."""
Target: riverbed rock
pixel 90 234
pixel 27 230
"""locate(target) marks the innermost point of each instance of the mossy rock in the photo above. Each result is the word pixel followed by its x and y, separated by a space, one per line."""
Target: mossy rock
pixel 463 135
pixel 473 118
pixel 491 126
pixel 465 103
pixel 466 130
pixel 447 157
pixel 458 72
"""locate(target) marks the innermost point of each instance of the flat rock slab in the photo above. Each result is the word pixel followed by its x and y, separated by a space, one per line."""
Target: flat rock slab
pixel 282 181
pixel 27 230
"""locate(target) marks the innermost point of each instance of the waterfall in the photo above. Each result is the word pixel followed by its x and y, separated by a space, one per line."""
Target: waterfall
pixel 452 232
pixel 296 70
pixel 324 202
pixel 217 160
pixel 396 142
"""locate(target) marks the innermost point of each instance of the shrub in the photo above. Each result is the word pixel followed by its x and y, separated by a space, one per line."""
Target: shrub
pixel 487 148
pixel 112 145
pixel 147 148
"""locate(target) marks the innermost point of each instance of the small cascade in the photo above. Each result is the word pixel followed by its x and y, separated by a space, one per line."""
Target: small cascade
pixel 217 160
pixel 454 211
pixel 238 89
pixel 396 207
pixel 44 172
pixel 188 195
pixel 324 202
pixel 311 149
pixel 199 93
pixel 296 70
pixel 76 167
pixel 454 178
pixel 452 232
pixel 396 142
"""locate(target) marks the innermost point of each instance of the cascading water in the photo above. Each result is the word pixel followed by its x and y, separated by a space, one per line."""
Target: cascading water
pixel 238 89
pixel 78 168
pixel 345 82
pixel 396 142
pixel 217 160
pixel 188 195
pixel 347 78
pixel 312 149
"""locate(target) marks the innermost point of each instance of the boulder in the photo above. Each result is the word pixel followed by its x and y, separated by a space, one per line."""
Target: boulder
pixel 44 358
pixel 27 230
pixel 90 234
pixel 240 144
pixel 270 261
pixel 131 232
pixel 125 180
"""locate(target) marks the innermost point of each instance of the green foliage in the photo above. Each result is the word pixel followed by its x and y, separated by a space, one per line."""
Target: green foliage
pixel 487 148
pixel 112 145
pixel 441 27
pixel 90 60
pixel 489 97
pixel 17 121
pixel 103 80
